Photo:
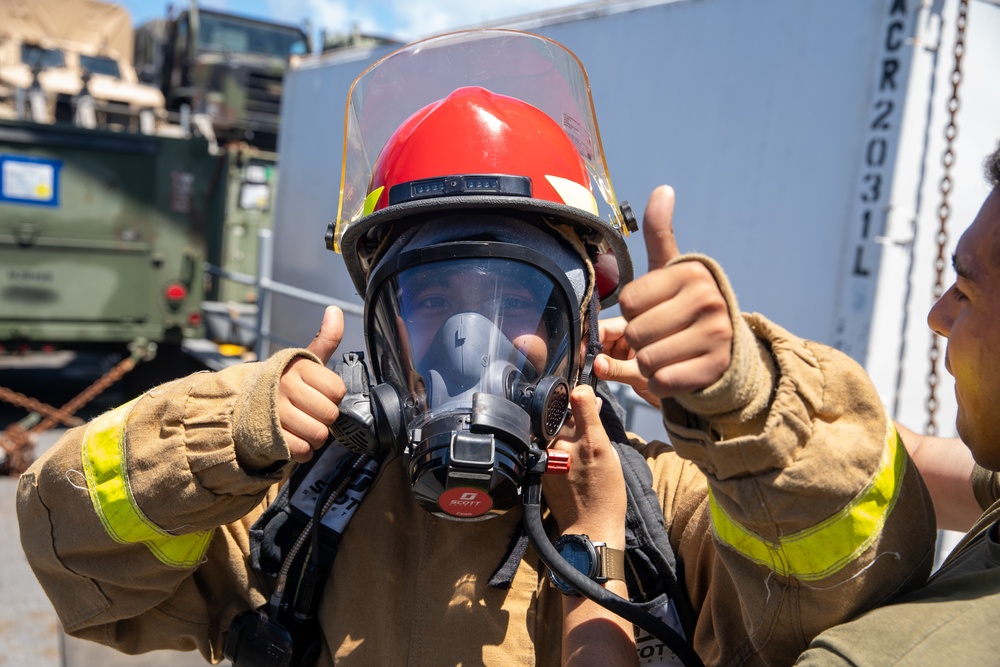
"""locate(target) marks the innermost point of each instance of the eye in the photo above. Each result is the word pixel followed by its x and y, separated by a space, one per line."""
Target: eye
pixel 958 293
pixel 516 302
pixel 434 301
pixel 427 302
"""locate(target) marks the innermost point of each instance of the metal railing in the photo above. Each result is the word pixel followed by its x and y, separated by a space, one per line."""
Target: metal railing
pixel 267 287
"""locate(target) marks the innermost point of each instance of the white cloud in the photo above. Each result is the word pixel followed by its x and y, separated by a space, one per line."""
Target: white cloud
pixel 400 19
pixel 424 18
pixel 403 19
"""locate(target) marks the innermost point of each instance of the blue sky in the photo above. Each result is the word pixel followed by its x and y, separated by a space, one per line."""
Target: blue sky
pixel 401 19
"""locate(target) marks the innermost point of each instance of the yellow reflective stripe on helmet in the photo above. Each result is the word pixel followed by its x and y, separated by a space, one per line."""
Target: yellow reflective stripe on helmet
pixel 372 200
pixel 827 547
pixel 107 481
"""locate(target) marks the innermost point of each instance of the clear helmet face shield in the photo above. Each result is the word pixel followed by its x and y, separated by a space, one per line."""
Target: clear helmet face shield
pixel 480 341
pixel 522 65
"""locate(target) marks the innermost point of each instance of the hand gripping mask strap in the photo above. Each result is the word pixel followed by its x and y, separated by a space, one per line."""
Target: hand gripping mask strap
pixel 651 571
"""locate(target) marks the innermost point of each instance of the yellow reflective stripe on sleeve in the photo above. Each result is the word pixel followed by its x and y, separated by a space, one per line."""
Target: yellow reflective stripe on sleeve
pixel 827 547
pixel 107 481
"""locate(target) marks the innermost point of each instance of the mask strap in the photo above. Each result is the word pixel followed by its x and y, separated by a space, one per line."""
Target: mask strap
pixel 593 330
pixel 593 341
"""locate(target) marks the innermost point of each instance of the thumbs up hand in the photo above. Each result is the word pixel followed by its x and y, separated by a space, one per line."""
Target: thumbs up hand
pixel 678 329
pixel 309 394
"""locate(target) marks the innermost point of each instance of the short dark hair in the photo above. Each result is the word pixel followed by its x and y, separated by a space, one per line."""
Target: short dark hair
pixel 991 167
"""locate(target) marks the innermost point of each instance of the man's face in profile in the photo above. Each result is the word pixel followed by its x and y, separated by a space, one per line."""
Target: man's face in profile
pixel 968 315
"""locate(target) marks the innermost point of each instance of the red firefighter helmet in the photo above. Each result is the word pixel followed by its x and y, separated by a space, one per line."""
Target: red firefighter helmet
pixel 475 149
pixel 474 131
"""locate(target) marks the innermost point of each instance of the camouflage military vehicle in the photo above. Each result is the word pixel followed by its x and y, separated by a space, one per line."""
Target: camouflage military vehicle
pixel 225 66
pixel 106 218
pixel 102 237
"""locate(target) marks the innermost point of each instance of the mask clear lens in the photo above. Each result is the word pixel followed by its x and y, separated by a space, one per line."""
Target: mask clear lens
pixel 446 329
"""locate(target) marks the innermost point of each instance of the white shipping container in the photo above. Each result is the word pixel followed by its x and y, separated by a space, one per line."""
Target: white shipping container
pixel 804 139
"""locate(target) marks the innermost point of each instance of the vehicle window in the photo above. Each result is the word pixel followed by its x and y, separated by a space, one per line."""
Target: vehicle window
pixel 217 33
pixel 100 65
pixel 42 58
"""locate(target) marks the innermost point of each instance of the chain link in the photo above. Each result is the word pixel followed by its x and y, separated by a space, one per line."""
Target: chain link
pixel 944 209
pixel 34 405
pixel 17 443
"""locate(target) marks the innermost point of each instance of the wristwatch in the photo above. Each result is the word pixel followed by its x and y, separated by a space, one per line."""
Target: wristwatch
pixel 595 560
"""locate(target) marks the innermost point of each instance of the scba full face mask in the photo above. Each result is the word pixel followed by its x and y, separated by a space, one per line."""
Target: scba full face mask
pixel 479 342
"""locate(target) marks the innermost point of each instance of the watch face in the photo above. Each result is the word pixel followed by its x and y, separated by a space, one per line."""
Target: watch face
pixel 580 554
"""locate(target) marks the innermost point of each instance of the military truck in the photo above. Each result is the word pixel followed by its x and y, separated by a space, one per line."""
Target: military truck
pixel 228 67
pixel 226 72
pixel 102 235
pixel 72 62
pixel 108 210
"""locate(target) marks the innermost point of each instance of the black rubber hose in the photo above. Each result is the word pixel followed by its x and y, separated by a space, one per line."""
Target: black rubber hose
pixel 590 589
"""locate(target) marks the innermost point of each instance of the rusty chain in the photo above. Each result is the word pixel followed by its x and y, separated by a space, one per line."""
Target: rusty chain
pixel 18 443
pixel 34 405
pixel 944 209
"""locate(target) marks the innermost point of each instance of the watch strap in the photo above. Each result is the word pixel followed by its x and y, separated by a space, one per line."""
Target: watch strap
pixel 612 563
pixel 608 562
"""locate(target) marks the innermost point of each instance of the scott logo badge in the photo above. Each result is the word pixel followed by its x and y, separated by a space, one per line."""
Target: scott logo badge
pixel 465 502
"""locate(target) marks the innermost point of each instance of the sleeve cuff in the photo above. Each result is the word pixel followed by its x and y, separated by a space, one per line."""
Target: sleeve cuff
pixel 257 434
pixel 748 383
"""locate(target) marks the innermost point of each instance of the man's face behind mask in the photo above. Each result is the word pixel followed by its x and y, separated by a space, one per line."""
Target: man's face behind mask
pixel 513 296
pixel 445 329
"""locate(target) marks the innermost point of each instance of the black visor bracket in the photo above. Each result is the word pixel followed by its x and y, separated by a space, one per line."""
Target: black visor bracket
pixel 460 184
